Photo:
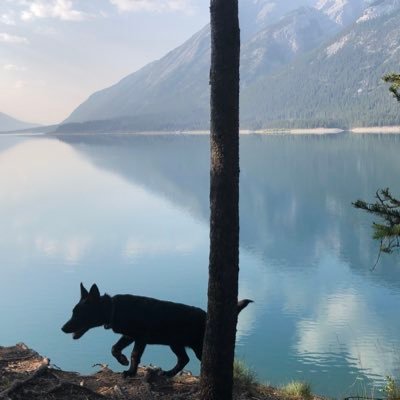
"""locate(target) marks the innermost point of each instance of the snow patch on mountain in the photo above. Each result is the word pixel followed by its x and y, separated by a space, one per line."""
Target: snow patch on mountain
pixel 337 46
pixel 303 28
pixel 256 15
pixel 379 9
pixel 298 32
pixel 343 12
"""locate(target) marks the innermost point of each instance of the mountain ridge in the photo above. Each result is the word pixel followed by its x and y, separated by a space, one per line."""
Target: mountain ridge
pixel 8 123
pixel 172 92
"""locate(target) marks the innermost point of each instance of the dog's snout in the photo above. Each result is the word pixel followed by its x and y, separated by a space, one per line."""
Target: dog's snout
pixel 66 327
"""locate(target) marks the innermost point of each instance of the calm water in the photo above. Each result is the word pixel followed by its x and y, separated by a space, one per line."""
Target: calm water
pixel 131 214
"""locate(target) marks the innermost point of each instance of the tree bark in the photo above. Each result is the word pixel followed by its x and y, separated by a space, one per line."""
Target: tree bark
pixel 220 335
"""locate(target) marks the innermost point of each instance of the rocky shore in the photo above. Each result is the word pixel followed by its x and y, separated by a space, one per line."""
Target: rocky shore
pixel 25 374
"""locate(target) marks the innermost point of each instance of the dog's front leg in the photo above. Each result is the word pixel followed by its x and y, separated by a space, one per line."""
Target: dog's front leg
pixel 119 346
pixel 136 355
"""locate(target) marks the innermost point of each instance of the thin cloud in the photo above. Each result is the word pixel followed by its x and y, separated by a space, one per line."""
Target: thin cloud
pixel 44 30
pixel 6 38
pixel 13 68
pixel 153 5
pixel 20 84
pixel 7 19
pixel 59 9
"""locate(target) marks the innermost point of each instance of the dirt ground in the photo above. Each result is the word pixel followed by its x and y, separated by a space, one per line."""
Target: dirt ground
pixel 24 374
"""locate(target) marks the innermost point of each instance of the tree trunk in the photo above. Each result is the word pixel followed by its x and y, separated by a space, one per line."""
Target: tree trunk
pixel 219 340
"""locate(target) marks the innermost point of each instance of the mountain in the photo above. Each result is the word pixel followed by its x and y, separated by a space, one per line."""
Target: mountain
pixel 177 85
pixel 159 90
pixel 336 85
pixel 313 66
pixel 277 45
pixel 8 123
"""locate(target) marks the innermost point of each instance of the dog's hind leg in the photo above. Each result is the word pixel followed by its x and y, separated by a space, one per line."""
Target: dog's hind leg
pixel 136 355
pixel 116 350
pixel 183 359
pixel 198 350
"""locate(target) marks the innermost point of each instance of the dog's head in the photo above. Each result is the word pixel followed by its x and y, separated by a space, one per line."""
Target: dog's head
pixel 87 314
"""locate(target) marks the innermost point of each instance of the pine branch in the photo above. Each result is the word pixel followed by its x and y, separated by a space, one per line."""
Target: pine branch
pixel 386 207
pixel 394 79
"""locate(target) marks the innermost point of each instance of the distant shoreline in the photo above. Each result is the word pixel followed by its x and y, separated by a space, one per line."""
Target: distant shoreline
pixel 294 131
pixel 300 131
pixel 377 129
pixel 310 131
pixel 278 131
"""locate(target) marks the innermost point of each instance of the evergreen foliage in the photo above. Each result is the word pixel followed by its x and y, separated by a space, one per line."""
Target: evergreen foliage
pixel 394 79
pixel 386 207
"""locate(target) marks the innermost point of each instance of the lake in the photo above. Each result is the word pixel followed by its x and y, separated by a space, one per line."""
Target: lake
pixel 131 214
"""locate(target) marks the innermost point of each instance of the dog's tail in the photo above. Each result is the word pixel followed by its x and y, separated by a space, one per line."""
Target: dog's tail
pixel 243 304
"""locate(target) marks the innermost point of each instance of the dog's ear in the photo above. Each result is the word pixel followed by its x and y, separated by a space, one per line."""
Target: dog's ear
pixel 94 293
pixel 84 292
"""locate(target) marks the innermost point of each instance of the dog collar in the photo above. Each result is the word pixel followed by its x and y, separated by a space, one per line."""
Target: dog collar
pixel 108 308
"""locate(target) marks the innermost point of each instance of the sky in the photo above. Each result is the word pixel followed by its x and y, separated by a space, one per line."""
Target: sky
pixel 55 53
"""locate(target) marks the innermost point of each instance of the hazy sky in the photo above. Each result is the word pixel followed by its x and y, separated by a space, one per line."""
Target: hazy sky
pixel 55 53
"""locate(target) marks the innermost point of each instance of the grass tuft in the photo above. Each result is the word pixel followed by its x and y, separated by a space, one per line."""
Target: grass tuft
pixel 244 378
pixel 392 388
pixel 297 389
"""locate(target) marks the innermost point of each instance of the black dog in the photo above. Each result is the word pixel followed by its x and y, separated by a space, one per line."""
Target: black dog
pixel 142 320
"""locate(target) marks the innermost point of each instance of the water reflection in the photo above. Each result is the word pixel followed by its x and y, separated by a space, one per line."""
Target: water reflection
pixel 55 203
pixel 136 208
pixel 295 191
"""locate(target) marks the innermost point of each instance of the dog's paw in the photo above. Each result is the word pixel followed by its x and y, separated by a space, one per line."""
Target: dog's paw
pixel 128 374
pixel 122 359
pixel 168 374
